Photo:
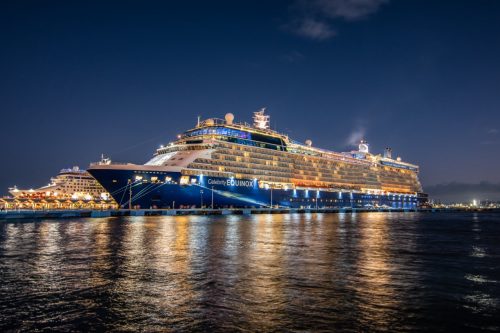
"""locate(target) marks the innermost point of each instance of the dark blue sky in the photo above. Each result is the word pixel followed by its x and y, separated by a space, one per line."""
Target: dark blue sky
pixel 78 79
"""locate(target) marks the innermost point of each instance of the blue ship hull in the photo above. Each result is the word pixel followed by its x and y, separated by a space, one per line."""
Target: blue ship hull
pixel 158 189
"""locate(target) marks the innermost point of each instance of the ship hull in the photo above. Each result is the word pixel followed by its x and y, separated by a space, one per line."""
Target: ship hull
pixel 163 189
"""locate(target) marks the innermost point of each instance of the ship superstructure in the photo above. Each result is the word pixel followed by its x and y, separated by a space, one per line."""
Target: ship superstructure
pixel 72 184
pixel 221 163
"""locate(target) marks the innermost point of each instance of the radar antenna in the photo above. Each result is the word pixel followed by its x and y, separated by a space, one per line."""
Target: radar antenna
pixel 105 160
pixel 261 120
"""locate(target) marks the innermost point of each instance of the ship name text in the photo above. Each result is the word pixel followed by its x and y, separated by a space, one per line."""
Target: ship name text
pixel 231 182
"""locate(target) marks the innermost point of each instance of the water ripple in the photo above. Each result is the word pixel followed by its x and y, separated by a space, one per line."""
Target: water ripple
pixel 374 272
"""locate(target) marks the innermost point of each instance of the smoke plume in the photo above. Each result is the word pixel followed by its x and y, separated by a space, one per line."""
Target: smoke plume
pixel 356 136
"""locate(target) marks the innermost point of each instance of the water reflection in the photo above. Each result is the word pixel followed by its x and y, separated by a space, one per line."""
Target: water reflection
pixel 263 281
pixel 298 272
pixel 375 289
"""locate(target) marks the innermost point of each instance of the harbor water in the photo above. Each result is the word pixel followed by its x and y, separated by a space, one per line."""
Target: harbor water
pixel 269 273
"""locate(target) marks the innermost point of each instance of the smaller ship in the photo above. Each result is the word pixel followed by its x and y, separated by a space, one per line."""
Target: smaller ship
pixel 72 184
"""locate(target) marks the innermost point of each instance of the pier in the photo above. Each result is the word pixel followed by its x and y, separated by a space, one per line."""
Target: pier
pixel 90 213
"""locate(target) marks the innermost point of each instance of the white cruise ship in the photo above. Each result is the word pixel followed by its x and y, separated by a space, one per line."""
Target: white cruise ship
pixel 220 163
pixel 73 184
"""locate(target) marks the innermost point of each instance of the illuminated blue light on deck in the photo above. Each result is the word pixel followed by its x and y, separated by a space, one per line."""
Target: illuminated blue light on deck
pixel 306 193
pixel 294 193
pixel 340 195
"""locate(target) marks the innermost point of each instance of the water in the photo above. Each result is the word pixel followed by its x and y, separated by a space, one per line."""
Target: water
pixel 275 273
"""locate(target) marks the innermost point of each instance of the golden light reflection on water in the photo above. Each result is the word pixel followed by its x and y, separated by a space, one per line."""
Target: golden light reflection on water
pixel 157 264
pixel 290 272
pixel 47 249
pixel 171 266
pixel 266 284
pixel 232 236
pixel 12 234
pixel 233 249
pixel 375 288
pixel 100 250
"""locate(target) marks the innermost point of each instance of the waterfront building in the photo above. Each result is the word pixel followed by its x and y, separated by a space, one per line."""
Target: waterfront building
pixel 23 203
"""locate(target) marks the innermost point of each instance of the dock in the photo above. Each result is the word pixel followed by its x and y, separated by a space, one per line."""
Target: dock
pixel 88 213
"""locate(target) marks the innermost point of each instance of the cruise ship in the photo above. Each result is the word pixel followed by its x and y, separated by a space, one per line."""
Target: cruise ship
pixel 70 184
pixel 224 164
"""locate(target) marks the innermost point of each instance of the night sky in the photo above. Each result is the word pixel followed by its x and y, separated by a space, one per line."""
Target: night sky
pixel 78 79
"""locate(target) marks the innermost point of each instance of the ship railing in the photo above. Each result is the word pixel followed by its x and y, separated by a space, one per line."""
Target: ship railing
pixel 110 163
pixel 240 125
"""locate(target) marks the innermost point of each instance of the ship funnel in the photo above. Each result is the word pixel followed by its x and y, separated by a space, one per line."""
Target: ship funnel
pixel 388 152
pixel 229 117
pixel 363 146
